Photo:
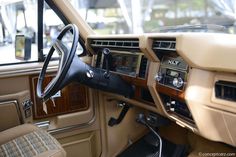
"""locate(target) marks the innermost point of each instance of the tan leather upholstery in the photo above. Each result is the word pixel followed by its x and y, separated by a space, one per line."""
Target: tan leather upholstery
pixel 28 140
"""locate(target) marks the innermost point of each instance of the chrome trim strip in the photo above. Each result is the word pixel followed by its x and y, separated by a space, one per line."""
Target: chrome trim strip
pixel 182 121
pixel 43 124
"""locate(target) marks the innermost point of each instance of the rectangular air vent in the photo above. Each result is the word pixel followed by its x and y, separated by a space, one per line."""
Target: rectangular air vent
pixel 143 67
pixel 164 44
pixel 116 43
pixel 225 90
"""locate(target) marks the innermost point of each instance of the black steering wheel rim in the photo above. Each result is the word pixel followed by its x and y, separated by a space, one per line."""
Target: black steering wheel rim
pixel 64 64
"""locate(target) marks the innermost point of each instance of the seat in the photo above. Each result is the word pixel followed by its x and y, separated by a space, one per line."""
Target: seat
pixel 29 141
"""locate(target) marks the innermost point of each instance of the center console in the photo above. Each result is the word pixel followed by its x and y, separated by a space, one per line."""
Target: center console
pixel 171 79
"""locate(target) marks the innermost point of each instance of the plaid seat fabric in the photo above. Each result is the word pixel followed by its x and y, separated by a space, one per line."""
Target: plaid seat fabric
pixel 29 145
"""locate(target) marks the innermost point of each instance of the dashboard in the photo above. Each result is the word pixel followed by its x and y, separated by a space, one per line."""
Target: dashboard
pixel 182 76
pixel 126 60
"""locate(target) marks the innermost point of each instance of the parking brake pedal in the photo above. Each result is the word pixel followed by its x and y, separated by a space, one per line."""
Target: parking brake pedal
pixel 115 121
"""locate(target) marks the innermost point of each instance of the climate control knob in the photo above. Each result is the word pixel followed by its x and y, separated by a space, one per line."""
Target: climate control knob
pixel 158 77
pixel 178 82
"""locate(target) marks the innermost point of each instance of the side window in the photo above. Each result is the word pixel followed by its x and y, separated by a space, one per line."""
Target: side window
pixel 52 26
pixel 19 31
pixel 18 20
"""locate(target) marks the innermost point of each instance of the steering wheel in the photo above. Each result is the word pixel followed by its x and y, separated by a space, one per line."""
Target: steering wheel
pixel 65 60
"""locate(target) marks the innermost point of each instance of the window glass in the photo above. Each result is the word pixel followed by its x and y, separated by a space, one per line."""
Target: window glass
pixel 144 16
pixel 18 31
pixel 18 18
pixel 52 26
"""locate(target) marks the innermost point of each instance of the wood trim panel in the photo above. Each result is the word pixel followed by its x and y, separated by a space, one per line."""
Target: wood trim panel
pixel 135 81
pixel 179 95
pixel 74 98
pixel 138 96
pixel 139 84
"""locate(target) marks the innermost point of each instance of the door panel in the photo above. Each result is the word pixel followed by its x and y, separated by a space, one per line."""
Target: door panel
pixel 77 130
pixel 10 85
pixel 18 88
pixel 9 109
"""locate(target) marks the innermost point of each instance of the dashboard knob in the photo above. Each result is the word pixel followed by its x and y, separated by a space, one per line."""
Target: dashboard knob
pixel 178 82
pixel 158 77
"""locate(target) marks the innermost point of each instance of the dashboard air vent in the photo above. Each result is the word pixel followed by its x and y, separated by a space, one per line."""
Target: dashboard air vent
pixel 116 43
pixel 143 67
pixel 225 90
pixel 164 44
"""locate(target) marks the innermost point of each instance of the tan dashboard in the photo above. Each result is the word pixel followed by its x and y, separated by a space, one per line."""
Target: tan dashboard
pixel 190 77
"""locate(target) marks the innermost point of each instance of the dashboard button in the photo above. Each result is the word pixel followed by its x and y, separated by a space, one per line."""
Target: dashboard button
pixel 90 74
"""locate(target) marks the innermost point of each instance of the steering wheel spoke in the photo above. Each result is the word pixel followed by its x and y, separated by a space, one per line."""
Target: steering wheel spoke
pixel 66 56
pixel 50 84
pixel 60 47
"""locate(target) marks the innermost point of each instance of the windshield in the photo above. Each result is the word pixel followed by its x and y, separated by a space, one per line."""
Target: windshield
pixel 145 16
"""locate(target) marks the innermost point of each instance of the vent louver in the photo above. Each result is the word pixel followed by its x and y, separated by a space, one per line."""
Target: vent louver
pixel 143 67
pixel 116 43
pixel 164 44
pixel 225 90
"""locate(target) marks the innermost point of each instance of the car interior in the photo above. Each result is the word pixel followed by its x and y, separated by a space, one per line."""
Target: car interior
pixel 103 78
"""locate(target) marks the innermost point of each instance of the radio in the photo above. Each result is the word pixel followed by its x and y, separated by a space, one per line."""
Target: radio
pixel 172 72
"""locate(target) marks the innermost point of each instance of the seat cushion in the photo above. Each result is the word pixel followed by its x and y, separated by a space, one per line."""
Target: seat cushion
pixel 15 132
pixel 34 142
